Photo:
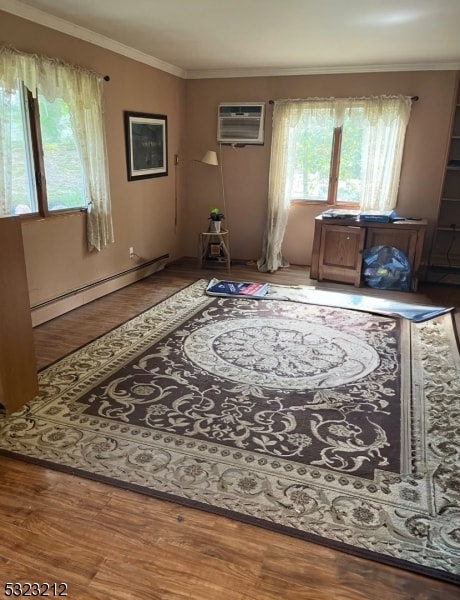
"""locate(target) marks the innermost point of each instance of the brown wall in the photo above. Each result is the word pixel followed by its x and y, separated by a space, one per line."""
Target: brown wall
pixel 143 211
pixel 246 169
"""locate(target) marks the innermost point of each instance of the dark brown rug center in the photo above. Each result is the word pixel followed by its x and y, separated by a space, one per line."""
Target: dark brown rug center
pixel 323 390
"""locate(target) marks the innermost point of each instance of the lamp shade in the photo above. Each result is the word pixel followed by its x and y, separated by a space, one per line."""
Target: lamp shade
pixel 210 158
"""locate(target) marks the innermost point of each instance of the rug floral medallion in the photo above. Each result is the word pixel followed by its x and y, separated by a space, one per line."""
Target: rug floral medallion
pixel 333 425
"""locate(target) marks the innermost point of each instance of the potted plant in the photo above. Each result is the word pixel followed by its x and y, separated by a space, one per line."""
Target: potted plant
pixel 215 217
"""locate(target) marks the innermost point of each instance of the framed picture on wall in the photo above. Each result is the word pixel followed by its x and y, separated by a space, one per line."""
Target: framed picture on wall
pixel 146 145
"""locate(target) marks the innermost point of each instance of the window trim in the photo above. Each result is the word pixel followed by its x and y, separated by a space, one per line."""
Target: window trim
pixel 37 153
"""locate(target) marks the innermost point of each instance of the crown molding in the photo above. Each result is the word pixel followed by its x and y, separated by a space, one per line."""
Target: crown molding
pixel 273 72
pixel 42 18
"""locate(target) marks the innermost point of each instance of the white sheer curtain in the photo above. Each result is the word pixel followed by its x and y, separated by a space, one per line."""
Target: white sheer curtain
pixel 282 161
pixel 385 121
pixel 82 91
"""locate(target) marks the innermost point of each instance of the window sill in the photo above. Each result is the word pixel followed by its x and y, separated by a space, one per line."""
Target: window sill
pixel 54 215
pixel 347 205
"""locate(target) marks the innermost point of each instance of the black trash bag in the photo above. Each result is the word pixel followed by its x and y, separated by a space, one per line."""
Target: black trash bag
pixel 386 268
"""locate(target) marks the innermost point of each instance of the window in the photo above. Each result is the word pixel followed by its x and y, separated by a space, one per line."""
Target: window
pixel 53 153
pixel 339 150
pixel 46 170
pixel 313 146
pixel 333 151
pixel 329 160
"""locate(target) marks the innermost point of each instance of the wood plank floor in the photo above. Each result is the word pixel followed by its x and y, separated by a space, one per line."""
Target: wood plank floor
pixel 107 543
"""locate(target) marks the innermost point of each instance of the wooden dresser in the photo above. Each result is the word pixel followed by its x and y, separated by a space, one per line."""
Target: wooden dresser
pixel 338 246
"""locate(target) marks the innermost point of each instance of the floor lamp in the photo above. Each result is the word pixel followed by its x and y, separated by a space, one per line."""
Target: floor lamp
pixel 210 158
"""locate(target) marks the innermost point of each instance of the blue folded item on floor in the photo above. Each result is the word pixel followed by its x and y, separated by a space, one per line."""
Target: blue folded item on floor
pixel 217 287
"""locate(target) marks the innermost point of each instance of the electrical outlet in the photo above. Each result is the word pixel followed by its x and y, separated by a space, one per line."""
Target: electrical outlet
pixel 131 252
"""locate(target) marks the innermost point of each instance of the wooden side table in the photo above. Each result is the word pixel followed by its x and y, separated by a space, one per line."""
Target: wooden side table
pixel 214 247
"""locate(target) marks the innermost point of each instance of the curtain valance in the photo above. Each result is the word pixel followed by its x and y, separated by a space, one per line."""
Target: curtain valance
pixel 372 108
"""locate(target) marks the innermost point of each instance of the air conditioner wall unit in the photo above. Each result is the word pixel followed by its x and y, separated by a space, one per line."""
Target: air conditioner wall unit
pixel 241 123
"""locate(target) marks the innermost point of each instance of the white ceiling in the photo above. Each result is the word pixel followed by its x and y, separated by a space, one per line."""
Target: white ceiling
pixel 225 38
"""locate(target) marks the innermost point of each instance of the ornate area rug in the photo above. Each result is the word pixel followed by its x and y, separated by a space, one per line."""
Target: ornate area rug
pixel 335 426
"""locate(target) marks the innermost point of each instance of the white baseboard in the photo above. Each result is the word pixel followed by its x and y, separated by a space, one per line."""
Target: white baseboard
pixel 58 306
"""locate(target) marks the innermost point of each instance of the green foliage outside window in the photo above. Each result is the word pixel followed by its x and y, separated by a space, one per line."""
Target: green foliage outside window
pixel 314 147
pixel 65 182
pixel 64 175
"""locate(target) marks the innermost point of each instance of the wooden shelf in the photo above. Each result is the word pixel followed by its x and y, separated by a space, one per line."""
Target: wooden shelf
pixel 445 249
pixel 440 264
pixel 444 274
pixel 214 248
